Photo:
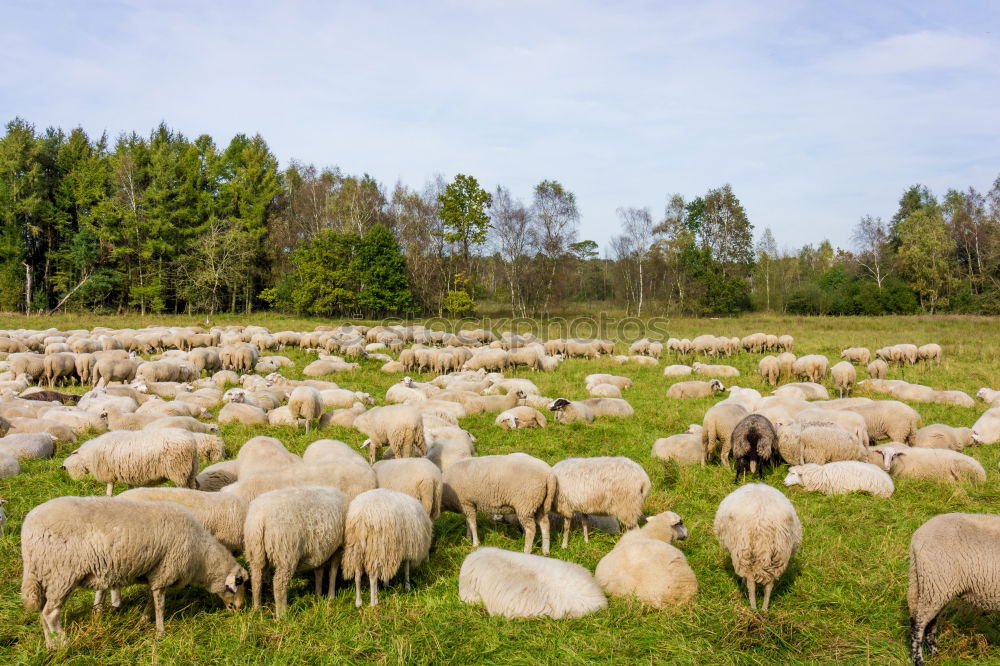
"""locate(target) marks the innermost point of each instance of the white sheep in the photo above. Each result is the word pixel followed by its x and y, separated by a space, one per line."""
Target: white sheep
pixel 609 407
pixel 521 416
pixel 878 369
pixel 9 466
pixel 987 427
pixel 305 403
pixel 328 450
pixel 604 391
pixel 718 425
pixel 419 478
pixel 400 427
pixel 940 436
pixel 571 411
pixel 841 477
pixel 859 355
pixel 519 585
pixel 770 369
pixel 644 564
pixel 849 421
pixel 933 464
pixel 291 530
pixel 235 412
pixel 384 529
pixel 695 389
pixel 889 419
pixel 137 458
pixel 350 476
pixel 929 352
pixel 677 370
pixel 811 366
pixel 217 476
pixel 607 486
pixel 222 514
pixel 990 396
pixel 686 448
pixel 622 383
pixel 64 545
pixel 261 453
pixel 760 530
pixel 714 370
pixel 28 445
pixel 818 442
pixel 844 376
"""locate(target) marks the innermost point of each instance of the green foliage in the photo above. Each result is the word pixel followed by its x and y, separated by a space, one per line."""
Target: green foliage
pixel 925 257
pixel 385 285
pixel 458 303
pixel 464 213
pixel 325 275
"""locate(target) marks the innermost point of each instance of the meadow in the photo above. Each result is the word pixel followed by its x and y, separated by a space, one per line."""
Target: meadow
pixel 842 600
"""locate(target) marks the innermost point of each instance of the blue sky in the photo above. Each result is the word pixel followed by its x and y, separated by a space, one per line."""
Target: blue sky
pixel 816 113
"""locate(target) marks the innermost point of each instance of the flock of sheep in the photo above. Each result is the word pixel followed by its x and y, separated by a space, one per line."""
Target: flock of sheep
pixel 337 513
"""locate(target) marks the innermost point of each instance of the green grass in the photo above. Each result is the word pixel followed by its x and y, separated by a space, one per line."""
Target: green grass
pixel 841 601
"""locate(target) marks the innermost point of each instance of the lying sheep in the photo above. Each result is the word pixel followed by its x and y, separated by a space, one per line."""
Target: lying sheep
pixel 28 445
pixel 400 427
pixel 841 477
pixel 718 424
pixel 342 417
pixel 384 529
pixel 417 477
pixel 604 391
pixel 568 411
pixel 990 396
pixel 137 458
pixel 622 383
pixel 234 412
pixel 760 530
pixel 516 483
pixel 64 544
pixel 933 464
pixel 350 476
pixel 754 442
pixel 608 407
pixel 695 389
pixel 607 486
pixel 222 514
pixel 714 370
pixel 987 427
pixel 677 370
pixel 889 419
pixel 951 555
pixel 847 420
pixel 644 564
pixel 844 377
pixel 940 436
pixel 686 448
pixel 291 530
pixel 518 585
pixel 818 442
pixel 521 417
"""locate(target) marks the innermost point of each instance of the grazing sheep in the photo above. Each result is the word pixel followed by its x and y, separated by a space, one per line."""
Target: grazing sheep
pixel 521 417
pixel 929 352
pixel 889 419
pixel 400 427
pixel 644 564
pixel 844 376
pixel 878 369
pixel 328 450
pixel 446 452
pixel 951 555
pixel 222 514
pixel 760 530
pixel 417 477
pixel 811 366
pixel 64 545
pixel 137 458
pixel 718 424
pixel 384 528
pixel 606 486
pixel 770 369
pixel 987 427
pixel 305 403
pixel 786 360
pixel 940 436
pixel 568 411
pixel 686 448
pixel 859 355
pixel 695 389
pixel 933 464
pixel 350 476
pixel 818 442
pixel 754 442
pixel 841 477
pixel 109 370
pixel 294 529
pixel 519 585
pixel 514 483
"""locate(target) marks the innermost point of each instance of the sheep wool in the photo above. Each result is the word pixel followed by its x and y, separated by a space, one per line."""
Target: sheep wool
pixel 352 477
pixel 608 486
pixel 384 529
pixel 840 477
pixel 760 530
pixel 222 514
pixel 417 477
pixel 400 427
pixel 685 448
pixel 644 564
pixel 519 585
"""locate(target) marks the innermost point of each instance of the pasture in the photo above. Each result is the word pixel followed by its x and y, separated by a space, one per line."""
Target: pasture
pixel 842 600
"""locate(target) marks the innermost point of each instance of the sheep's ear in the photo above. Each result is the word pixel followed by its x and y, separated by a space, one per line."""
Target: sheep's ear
pixel 233 583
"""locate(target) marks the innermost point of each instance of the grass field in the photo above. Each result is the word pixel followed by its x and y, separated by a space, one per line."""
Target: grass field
pixel 843 599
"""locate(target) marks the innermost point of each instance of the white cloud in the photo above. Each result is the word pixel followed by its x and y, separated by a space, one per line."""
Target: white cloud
pixel 913 52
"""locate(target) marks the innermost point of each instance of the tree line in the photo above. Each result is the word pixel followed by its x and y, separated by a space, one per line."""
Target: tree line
pixel 163 223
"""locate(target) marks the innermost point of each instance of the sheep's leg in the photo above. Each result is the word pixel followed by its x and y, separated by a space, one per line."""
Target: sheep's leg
pixel 528 524
pixel 256 583
pixel 159 601
pixel 544 523
pixel 279 585
pixel 98 601
pixel 373 589
pixel 52 623
pixel 470 521
pixel 930 634
pixel 334 568
pixel 567 519
pixel 752 593
pixel 318 580
pixel 357 590
pixel 406 575
pixel 585 521
pixel 916 641
pixel 110 490
pixel 767 594
pixel 739 468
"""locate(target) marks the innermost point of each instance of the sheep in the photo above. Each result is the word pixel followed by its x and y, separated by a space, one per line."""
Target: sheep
pixel 519 585
pixel 112 370
pixel 608 407
pixel 695 389
pixel 294 529
pixel 987 427
pixel 686 448
pixel 860 355
pixel 818 442
pixel 677 370
pixel 305 403
pixel 28 445
pixel 417 477
pixel 811 366
pixel 754 442
pixel 770 369
pixel 60 431
pixel 844 376
pixel 786 361
pixel 398 426
pixel 521 417
pixel 342 417
pixel 350 476
pixel 183 422
pixel 760 530
pixel 623 383
pixel 988 395
pixel 446 452
pixel 384 528
pixel 137 458
pixel 932 464
pixel 644 564
pixel 878 369
pixel 607 486
pixel 9 466
pixel 747 397
pixel 235 412
pixel 714 370
pixel 889 419
pixel 60 368
pixel 328 450
pixel 217 476
pixel 567 411
pixel 840 477
pixel 718 425
pixel 849 421
pixel 809 390
pixel 262 453
pixel 960 398
pixel 222 514
pixel 951 555
pixel 516 483
pixel 64 544
pixel 929 352
pixel 604 391
pixel 939 436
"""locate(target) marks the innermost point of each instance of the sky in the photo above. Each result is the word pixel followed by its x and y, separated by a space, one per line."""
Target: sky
pixel 816 113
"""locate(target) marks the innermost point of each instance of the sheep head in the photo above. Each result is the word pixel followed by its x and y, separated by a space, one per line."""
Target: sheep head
pixel 792 479
pixel 717 386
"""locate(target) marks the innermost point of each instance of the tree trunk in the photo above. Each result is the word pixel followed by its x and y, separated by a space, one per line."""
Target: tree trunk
pixel 27 288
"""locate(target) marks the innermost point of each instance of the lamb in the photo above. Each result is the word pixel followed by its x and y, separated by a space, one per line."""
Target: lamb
pixel 951 555
pixel 305 403
pixel 929 352
pixel 770 369
pixel 818 442
pixel 350 476
pixel 137 458
pixel 939 436
pixel 607 486
pixel 294 529
pixel 384 528
pixel 844 376
pixel 695 389
pixel 515 483
pixel 400 427
pixel 417 477
pixel 878 369
pixel 222 514
pixel 860 355
pixel 889 419
pixel 519 585
pixel 644 564
pixel 754 442
pixel 841 477
pixel 718 425
pixel 987 427
pixel 760 530
pixel 64 544
pixel 571 411
pixel 933 464
pixel 262 453
pixel 686 448
pixel 521 417
pixel 811 366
